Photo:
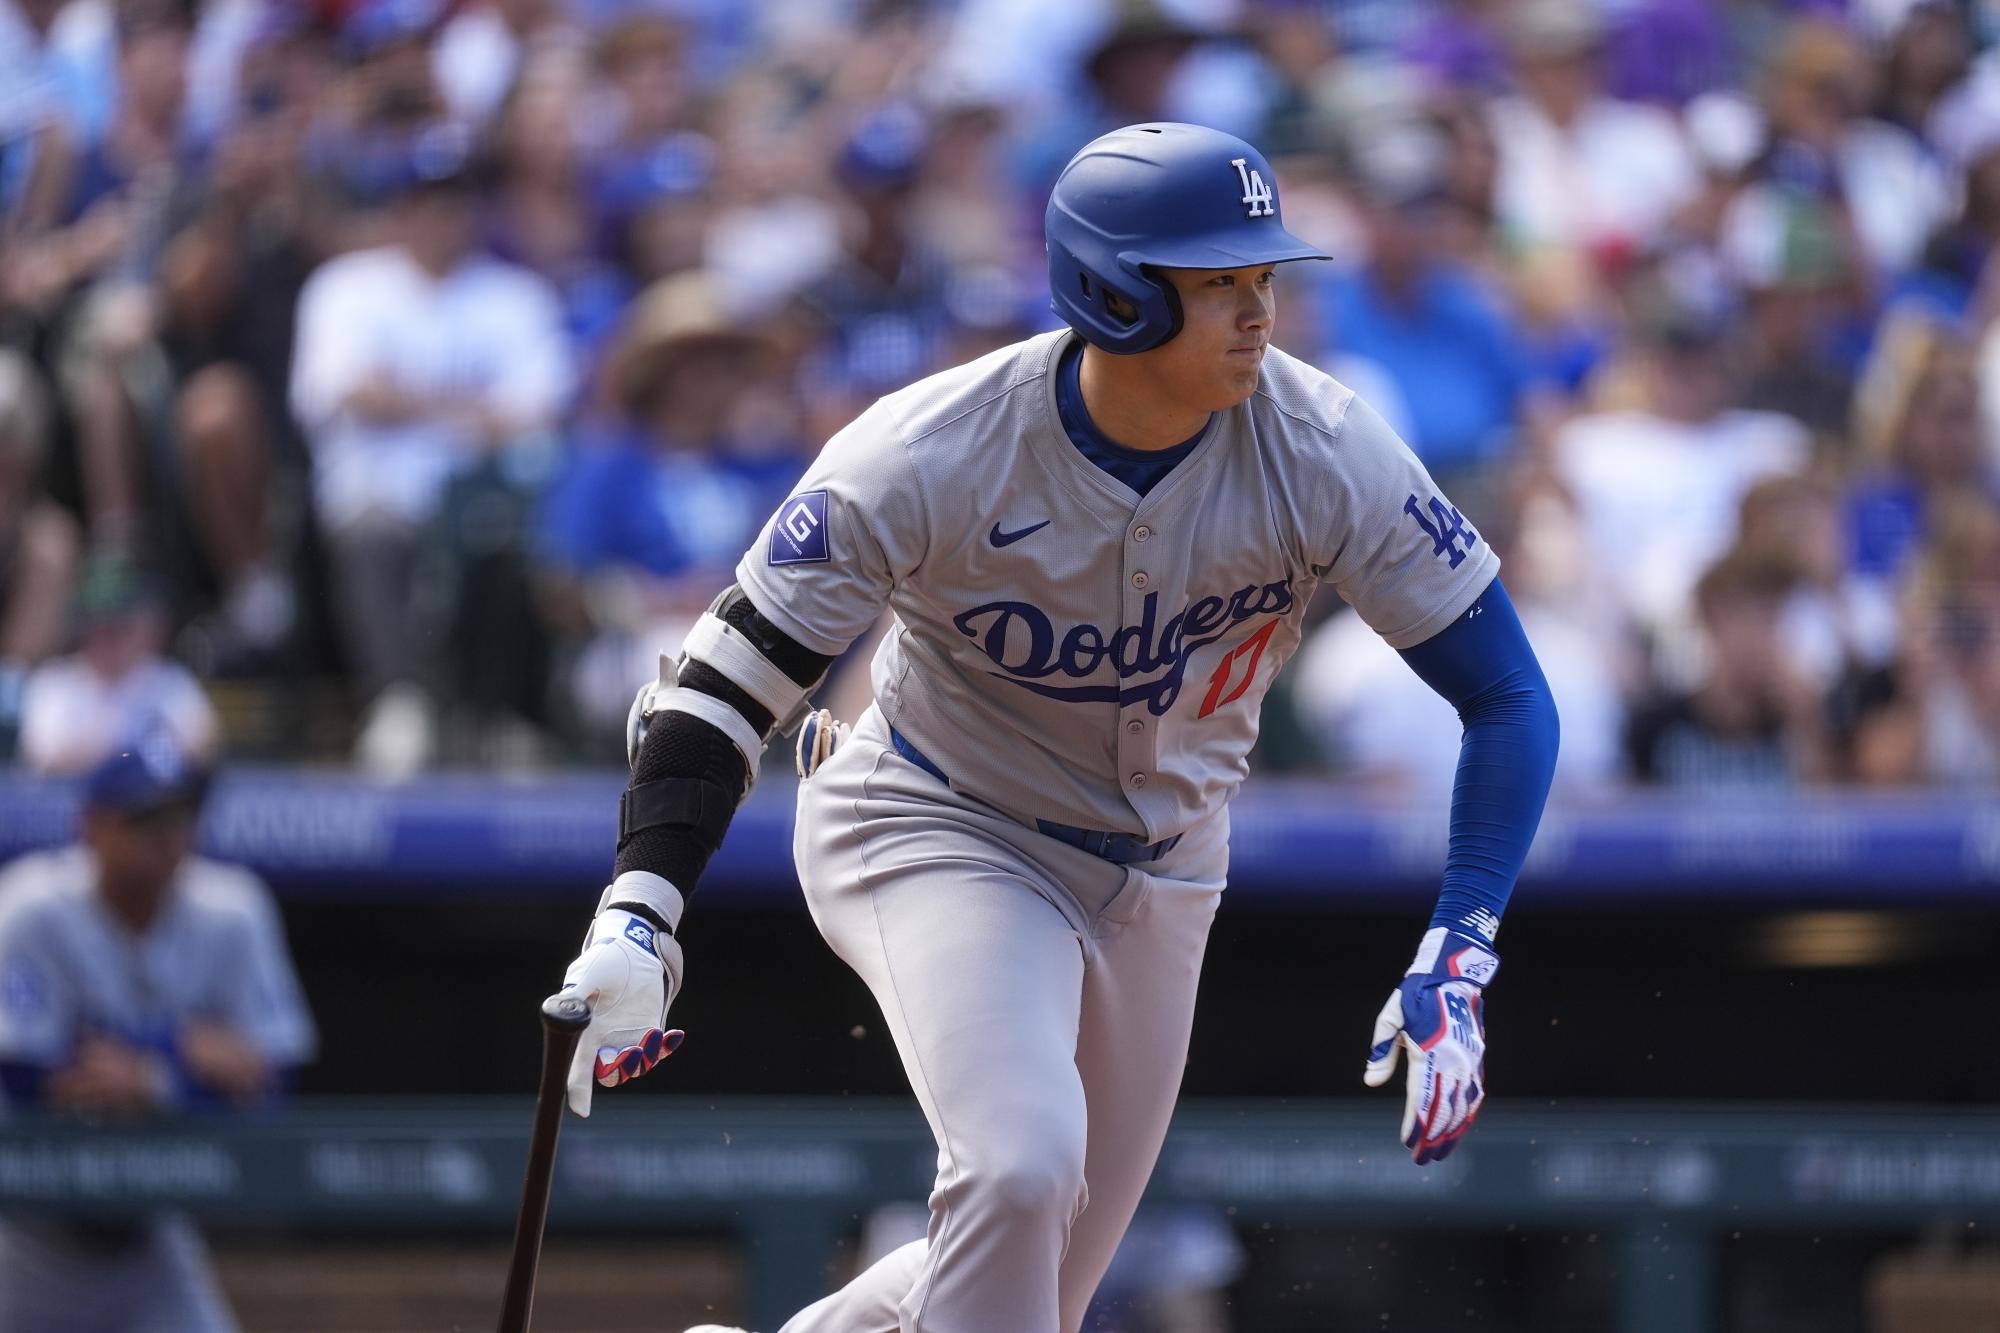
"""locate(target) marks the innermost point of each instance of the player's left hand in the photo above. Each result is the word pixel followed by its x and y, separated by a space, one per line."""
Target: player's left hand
pixel 1435 1013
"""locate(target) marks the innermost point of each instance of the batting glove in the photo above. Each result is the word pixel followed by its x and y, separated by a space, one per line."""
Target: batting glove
pixel 1435 1014
pixel 819 736
pixel 628 973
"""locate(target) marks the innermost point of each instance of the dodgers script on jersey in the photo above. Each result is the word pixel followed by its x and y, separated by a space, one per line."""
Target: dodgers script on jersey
pixel 1066 649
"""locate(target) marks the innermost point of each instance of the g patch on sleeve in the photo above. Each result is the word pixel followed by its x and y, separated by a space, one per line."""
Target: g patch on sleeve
pixel 798 536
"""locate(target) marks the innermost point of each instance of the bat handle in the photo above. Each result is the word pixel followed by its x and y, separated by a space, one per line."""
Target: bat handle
pixel 564 1017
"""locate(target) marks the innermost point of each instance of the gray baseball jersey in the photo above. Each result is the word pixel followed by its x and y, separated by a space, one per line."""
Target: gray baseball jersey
pixel 1066 649
pixel 68 967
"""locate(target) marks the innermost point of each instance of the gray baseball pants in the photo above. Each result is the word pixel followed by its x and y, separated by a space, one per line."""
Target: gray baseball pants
pixel 1040 999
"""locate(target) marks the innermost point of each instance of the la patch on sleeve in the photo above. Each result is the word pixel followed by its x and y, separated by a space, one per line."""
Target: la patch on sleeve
pixel 798 537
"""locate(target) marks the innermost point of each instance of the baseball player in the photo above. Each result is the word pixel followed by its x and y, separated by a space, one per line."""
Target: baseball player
pixel 1098 546
pixel 135 977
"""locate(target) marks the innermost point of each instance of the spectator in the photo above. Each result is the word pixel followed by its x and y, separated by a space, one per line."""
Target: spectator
pixel 384 106
pixel 650 169
pixel 89 282
pixel 1658 484
pixel 229 286
pixel 1884 183
pixel 1957 254
pixel 418 363
pixel 1379 725
pixel 1580 170
pixel 135 978
pixel 1832 625
pixel 651 518
pixel 37 138
pixel 640 56
pixel 1805 313
pixel 76 711
pixel 1750 721
pixel 1941 720
pixel 38 545
pixel 886 300
pixel 1450 347
pixel 1918 443
pixel 540 214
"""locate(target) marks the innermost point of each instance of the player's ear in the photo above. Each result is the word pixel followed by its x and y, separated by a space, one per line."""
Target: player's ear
pixel 1121 308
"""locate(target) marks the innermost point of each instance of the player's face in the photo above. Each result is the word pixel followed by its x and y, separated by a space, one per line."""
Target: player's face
pixel 1226 320
pixel 137 855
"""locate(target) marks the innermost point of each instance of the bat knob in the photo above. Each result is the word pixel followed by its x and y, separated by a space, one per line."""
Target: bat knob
pixel 566 1011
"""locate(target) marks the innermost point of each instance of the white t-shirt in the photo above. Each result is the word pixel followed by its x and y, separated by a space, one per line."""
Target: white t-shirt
pixel 1615 174
pixel 1381 722
pixel 1659 498
pixel 72 717
pixel 488 330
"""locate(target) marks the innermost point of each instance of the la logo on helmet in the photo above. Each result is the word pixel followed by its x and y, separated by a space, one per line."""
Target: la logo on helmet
pixel 1256 194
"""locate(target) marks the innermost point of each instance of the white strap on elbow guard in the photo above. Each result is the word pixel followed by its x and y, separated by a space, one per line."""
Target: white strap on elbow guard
pixel 681 699
pixel 727 649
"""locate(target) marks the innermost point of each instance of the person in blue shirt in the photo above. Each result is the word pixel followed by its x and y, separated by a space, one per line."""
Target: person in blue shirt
pixel 1454 353
pixel 664 489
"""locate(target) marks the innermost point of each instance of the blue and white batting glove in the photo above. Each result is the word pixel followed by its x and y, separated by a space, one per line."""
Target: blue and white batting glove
pixel 1435 1013
pixel 628 973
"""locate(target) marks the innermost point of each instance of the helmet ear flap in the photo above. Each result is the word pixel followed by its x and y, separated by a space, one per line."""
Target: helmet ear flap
pixel 1170 298
pixel 1134 310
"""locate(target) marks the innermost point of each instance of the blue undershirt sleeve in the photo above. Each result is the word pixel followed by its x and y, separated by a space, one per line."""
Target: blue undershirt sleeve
pixel 1482 664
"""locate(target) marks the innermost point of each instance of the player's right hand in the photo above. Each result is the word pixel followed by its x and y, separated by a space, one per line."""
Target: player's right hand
pixel 628 973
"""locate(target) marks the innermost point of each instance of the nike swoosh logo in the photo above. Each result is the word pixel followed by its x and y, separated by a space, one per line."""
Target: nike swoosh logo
pixel 999 538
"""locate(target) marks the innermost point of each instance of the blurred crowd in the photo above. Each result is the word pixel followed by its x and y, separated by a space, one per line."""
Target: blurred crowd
pixel 394 379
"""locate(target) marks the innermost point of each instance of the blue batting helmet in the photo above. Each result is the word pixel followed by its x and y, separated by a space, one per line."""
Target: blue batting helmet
pixel 1156 196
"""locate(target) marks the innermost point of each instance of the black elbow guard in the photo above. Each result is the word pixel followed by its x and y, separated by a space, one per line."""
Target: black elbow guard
pixel 686 783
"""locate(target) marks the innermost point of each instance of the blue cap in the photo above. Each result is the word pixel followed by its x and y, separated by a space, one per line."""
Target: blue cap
pixel 887 149
pixel 151 774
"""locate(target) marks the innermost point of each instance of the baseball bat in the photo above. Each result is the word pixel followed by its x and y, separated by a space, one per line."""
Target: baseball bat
pixel 564 1017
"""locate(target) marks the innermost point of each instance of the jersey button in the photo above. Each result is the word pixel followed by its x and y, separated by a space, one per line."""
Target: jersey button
pixel 1135 726
pixel 1141 532
pixel 1139 580
pixel 1138 779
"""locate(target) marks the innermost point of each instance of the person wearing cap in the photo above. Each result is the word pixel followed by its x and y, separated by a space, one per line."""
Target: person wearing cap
pixel 664 492
pixel 417 363
pixel 136 978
